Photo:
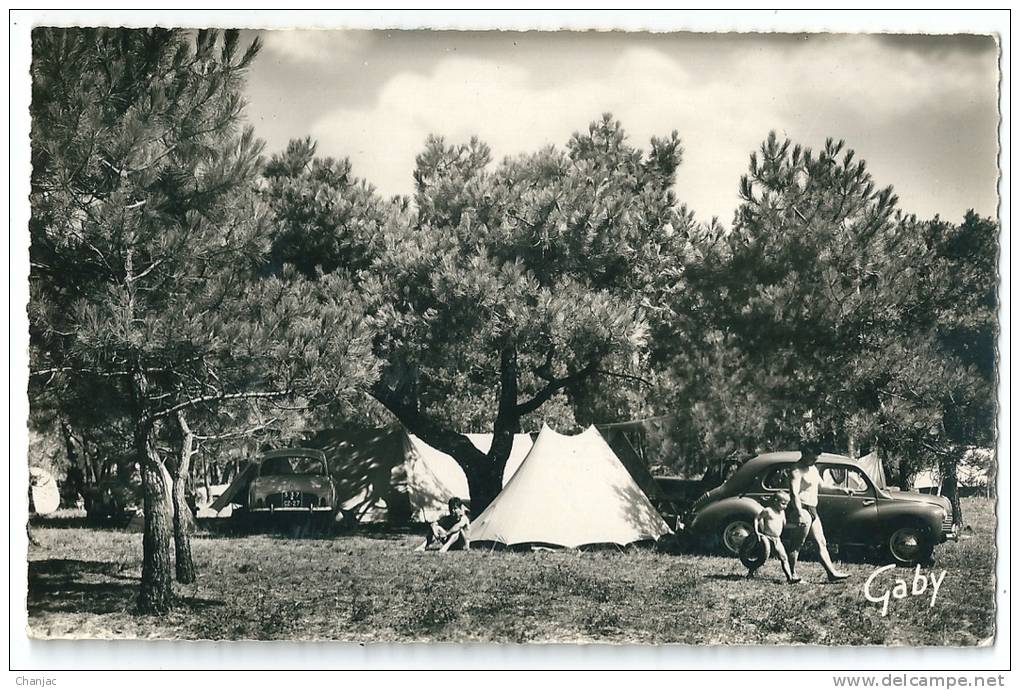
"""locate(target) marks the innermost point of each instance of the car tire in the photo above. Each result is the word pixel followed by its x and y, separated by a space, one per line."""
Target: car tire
pixel 731 536
pixel 909 544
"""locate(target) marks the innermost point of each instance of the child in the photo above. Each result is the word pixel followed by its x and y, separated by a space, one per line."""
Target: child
pixel 450 530
pixel 768 532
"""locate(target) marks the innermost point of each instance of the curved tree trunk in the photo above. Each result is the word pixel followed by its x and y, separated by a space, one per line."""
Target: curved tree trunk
pixel 156 595
pixel 183 523
pixel 484 471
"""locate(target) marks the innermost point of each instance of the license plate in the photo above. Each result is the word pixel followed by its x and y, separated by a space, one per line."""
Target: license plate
pixel 291 499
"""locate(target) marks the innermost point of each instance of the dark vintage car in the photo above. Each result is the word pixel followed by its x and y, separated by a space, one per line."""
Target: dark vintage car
pixel 113 500
pixel 904 526
pixel 675 496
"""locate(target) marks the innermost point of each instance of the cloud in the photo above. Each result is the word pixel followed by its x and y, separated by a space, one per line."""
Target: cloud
pixel 313 47
pixel 883 100
pixel 462 97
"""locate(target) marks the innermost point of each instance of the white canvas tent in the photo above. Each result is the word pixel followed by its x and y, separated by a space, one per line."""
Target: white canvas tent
pixel 385 475
pixel 522 446
pixel 976 470
pixel 204 502
pixel 389 475
pixel 975 474
pixel 570 491
pixel 872 465
pixel 43 490
pixel 928 481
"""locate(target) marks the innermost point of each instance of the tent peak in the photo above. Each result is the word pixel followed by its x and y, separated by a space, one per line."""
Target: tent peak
pixel 591 428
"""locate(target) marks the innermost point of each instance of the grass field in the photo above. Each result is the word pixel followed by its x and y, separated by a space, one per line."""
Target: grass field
pixel 371 586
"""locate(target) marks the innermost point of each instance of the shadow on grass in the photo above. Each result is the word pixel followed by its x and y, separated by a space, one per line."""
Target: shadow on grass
pixel 226 528
pixel 729 577
pixel 79 522
pixel 373 532
pixel 60 585
pixel 384 532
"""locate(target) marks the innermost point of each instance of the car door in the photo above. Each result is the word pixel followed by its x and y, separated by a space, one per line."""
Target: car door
pixel 847 504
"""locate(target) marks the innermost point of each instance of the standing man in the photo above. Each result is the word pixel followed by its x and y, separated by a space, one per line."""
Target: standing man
pixel 804 482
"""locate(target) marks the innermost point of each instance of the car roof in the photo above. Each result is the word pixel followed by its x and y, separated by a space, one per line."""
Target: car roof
pixel 293 453
pixel 792 456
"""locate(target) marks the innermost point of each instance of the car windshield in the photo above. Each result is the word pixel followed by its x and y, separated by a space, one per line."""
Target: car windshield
pixel 294 465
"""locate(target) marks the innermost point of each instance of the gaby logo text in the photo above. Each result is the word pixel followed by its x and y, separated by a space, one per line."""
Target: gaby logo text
pixel 880 591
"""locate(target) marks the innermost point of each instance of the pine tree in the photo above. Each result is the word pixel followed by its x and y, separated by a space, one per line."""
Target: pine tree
pixel 148 248
pixel 494 291
pixel 829 313
pixel 137 166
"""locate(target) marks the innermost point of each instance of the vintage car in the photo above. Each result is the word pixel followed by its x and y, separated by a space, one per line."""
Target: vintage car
pixel 292 480
pixel 113 500
pixel 674 496
pixel 904 527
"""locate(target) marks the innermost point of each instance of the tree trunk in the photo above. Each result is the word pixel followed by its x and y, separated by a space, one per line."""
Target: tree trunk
pixel 903 477
pixel 484 471
pixel 484 483
pixel 156 595
pixel 76 473
pixel 904 472
pixel 951 486
pixel 507 423
pixel 91 460
pixel 72 454
pixel 156 592
pixel 205 476
pixel 183 523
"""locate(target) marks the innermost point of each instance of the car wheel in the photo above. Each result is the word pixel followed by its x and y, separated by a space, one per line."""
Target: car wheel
pixel 733 534
pixel 909 544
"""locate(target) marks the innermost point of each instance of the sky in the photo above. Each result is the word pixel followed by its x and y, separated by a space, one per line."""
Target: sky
pixel 921 110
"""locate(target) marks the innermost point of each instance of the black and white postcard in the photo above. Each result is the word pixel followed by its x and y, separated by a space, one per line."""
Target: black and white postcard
pixel 367 332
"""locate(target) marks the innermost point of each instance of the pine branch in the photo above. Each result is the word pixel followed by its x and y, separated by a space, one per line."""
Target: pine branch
pixel 628 377
pixel 236 434
pixel 220 397
pixel 552 387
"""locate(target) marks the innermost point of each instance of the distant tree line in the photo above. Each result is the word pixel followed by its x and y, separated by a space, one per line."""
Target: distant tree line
pixel 186 291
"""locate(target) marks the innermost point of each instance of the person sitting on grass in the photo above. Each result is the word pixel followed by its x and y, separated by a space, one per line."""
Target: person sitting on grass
pixel 450 530
pixel 767 539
